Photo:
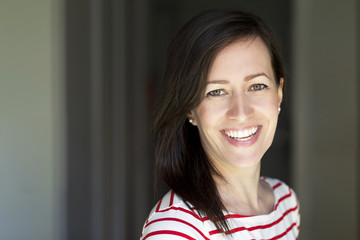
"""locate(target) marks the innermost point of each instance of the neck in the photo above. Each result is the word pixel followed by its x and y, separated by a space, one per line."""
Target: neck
pixel 242 192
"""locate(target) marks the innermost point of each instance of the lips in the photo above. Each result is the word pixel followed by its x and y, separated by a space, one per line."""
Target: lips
pixel 243 137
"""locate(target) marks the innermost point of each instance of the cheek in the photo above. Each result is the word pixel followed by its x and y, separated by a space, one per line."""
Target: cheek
pixel 201 118
pixel 268 104
pixel 271 109
pixel 268 109
pixel 208 113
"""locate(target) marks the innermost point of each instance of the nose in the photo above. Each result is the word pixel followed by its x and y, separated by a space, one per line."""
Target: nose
pixel 240 107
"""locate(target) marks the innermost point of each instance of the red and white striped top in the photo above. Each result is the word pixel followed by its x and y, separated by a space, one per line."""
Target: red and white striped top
pixel 172 219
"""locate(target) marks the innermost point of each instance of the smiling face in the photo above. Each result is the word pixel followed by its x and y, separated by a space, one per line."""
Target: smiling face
pixel 238 114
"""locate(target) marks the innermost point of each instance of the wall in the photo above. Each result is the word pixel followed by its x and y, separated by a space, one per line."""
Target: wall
pixel 325 117
pixel 30 120
pixel 33 170
pixel 109 187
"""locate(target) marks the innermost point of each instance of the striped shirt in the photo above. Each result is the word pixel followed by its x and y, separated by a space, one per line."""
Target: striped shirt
pixel 172 219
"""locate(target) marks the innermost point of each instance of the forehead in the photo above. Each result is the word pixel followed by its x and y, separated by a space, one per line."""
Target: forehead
pixel 242 57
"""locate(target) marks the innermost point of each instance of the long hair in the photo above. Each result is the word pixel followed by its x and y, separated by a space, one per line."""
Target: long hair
pixel 179 155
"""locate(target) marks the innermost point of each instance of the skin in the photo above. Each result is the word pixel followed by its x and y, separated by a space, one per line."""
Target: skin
pixel 241 96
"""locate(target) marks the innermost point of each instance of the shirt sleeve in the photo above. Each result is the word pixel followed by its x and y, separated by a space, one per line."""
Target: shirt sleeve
pixel 173 225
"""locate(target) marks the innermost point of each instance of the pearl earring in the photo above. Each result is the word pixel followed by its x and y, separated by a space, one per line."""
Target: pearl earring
pixel 190 120
pixel 279 109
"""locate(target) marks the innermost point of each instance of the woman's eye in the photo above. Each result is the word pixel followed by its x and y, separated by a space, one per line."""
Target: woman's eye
pixel 217 92
pixel 258 87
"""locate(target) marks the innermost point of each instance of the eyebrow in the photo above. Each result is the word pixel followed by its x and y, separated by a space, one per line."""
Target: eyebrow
pixel 218 82
pixel 247 78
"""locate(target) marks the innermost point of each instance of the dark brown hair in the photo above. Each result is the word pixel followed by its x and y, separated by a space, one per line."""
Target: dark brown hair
pixel 180 158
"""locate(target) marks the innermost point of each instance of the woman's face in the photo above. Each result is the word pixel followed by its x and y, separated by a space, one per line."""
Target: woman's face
pixel 238 114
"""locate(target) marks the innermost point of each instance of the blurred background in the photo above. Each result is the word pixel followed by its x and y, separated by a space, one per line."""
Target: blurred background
pixel 78 82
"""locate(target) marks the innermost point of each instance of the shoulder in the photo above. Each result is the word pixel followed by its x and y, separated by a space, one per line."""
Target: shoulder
pixel 286 201
pixel 279 187
pixel 172 218
pixel 282 191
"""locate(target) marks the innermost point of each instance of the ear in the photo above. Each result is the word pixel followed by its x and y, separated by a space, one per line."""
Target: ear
pixel 280 90
pixel 191 118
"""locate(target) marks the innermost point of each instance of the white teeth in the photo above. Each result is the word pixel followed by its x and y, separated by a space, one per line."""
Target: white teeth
pixel 242 135
pixel 247 132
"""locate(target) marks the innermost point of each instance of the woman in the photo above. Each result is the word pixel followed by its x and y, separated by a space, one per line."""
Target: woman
pixel 223 86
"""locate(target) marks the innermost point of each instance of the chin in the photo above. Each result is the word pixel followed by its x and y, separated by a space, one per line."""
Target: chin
pixel 247 163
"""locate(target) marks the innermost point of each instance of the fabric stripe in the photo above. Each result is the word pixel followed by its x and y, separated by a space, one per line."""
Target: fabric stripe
pixel 171 198
pixel 177 220
pixel 276 186
pixel 260 226
pixel 169 232
pixel 158 206
pixel 180 209
pixel 283 198
pixel 284 233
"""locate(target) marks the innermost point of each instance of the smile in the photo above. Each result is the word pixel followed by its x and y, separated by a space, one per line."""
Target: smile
pixel 242 135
